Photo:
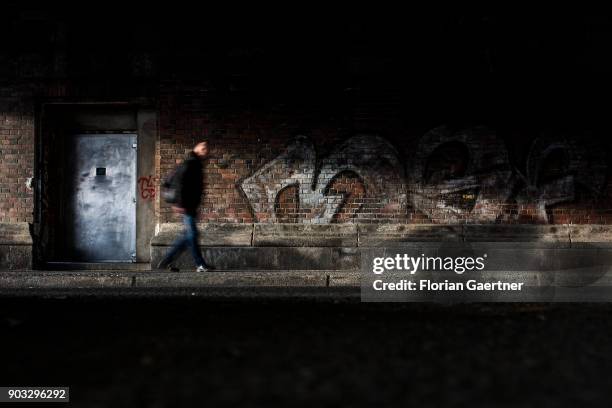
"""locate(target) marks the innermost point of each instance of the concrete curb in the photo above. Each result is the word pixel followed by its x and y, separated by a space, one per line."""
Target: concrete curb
pixel 90 280
pixel 315 284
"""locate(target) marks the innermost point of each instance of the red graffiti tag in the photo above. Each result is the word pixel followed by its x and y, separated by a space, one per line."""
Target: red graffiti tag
pixel 147 187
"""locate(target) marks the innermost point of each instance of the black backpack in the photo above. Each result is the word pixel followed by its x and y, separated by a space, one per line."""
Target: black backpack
pixel 171 186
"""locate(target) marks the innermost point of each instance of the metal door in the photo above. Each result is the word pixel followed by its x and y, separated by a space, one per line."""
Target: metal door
pixel 101 210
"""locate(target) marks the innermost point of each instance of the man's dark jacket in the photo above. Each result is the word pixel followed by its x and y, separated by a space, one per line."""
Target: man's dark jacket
pixel 190 183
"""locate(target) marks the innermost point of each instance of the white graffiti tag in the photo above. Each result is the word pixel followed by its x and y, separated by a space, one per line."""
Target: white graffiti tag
pixel 371 158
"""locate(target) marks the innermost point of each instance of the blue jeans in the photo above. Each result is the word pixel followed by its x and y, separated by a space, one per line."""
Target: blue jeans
pixel 189 239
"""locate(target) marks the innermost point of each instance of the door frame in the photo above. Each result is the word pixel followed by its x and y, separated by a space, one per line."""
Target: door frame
pixel 97 117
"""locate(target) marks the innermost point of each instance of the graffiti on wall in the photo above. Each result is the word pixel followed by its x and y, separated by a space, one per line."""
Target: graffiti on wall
pixel 560 171
pixel 462 176
pixel 146 187
pixel 371 158
pixel 452 177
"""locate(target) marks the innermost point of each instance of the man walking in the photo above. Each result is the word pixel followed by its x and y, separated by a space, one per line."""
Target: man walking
pixel 188 181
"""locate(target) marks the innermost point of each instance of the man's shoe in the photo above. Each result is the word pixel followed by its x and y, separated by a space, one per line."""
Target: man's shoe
pixel 204 268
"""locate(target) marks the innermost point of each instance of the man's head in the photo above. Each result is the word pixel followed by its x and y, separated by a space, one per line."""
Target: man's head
pixel 201 149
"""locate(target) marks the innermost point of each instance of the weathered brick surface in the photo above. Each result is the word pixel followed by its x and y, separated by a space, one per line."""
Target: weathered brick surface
pixel 265 168
pixel 435 176
pixel 342 133
pixel 16 154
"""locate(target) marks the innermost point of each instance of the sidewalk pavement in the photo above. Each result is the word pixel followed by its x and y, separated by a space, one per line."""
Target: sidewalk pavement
pixel 339 285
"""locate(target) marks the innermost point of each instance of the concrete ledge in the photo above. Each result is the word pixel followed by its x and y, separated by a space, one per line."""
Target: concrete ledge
pixel 338 246
pixel 376 235
pixel 590 235
pixel 550 234
pixel 211 234
pixel 15 246
pixel 305 235
pixel 523 235
pixel 373 235
pixel 15 233
pixel 269 258
pixel 267 246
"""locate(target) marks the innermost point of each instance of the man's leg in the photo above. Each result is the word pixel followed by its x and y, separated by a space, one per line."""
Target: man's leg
pixel 178 246
pixel 192 239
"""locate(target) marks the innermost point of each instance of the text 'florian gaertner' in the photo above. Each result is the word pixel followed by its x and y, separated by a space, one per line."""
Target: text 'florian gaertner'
pixel 428 285
pixel 403 263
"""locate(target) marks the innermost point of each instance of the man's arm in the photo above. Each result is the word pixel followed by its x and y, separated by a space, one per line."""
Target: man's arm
pixel 187 180
pixel 178 184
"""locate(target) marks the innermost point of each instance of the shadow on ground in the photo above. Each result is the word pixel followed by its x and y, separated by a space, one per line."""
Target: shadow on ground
pixel 169 352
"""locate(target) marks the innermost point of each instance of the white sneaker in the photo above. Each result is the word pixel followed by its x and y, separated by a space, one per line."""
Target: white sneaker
pixel 202 268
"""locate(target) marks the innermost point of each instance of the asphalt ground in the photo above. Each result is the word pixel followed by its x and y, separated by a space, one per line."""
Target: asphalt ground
pixel 182 351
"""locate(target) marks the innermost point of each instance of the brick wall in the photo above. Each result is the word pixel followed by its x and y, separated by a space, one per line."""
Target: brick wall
pixel 443 175
pixel 271 165
pixel 366 123
pixel 16 154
